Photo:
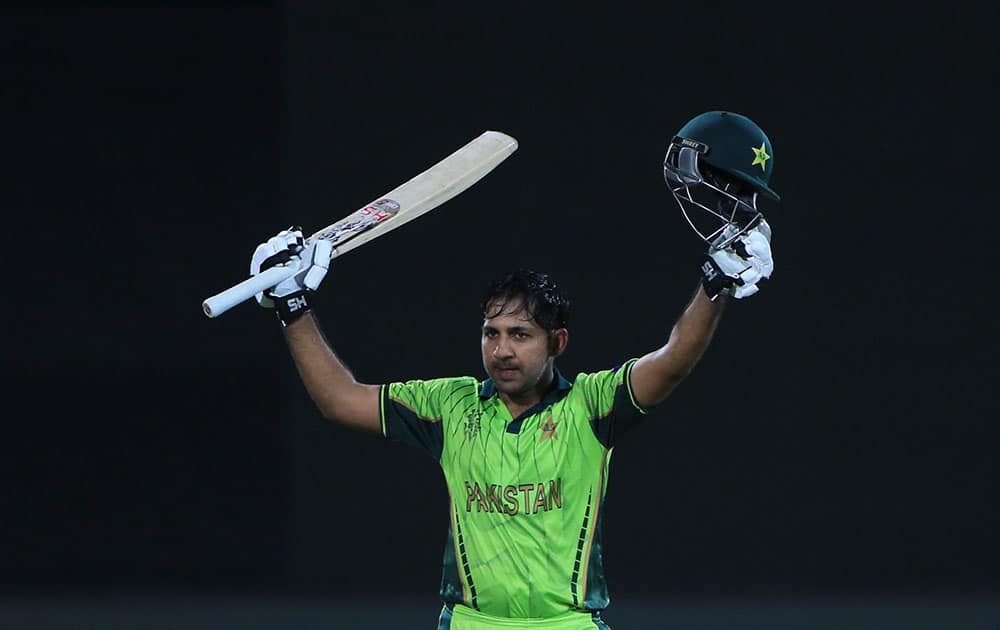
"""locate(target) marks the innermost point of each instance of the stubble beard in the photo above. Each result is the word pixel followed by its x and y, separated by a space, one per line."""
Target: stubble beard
pixel 523 385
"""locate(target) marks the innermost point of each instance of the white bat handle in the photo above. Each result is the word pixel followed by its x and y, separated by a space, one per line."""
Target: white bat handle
pixel 222 302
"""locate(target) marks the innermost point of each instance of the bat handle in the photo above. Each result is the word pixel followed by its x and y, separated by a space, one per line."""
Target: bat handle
pixel 222 302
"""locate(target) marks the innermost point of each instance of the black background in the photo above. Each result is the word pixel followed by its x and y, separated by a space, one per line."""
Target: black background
pixel 838 437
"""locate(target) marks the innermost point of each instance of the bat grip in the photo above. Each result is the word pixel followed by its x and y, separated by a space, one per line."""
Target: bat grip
pixel 222 302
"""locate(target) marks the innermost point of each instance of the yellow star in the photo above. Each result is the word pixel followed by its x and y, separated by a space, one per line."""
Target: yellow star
pixel 760 156
pixel 548 429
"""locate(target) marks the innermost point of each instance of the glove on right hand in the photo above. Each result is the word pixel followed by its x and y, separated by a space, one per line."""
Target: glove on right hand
pixel 736 269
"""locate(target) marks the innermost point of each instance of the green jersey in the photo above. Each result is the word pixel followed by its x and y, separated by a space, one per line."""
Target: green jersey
pixel 526 492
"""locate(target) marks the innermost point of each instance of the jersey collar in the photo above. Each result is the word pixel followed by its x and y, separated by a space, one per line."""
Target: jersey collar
pixel 559 386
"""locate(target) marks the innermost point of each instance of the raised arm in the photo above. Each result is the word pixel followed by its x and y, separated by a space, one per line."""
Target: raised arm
pixel 735 270
pixel 656 374
pixel 328 380
pixel 337 395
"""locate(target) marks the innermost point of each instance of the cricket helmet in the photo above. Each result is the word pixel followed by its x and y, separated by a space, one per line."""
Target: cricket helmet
pixel 718 163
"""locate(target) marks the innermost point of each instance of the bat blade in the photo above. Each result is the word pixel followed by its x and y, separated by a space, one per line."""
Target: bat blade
pixel 406 202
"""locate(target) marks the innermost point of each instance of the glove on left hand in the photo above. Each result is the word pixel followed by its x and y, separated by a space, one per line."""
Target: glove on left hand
pixel 311 261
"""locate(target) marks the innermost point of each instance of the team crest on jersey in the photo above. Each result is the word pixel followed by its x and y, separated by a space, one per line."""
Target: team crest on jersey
pixel 472 424
pixel 548 429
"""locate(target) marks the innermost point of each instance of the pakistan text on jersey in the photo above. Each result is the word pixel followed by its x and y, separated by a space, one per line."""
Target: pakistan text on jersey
pixel 526 498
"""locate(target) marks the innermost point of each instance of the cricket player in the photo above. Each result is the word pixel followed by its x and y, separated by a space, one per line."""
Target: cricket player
pixel 525 452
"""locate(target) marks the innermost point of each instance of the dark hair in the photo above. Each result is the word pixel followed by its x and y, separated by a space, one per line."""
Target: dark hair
pixel 542 299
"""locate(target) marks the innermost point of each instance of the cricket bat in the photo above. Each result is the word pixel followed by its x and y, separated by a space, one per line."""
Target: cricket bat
pixel 423 193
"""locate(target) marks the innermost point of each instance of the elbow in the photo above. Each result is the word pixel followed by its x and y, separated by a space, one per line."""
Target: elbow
pixel 667 387
pixel 680 372
pixel 329 411
pixel 350 418
pixel 682 364
pixel 650 392
pixel 357 409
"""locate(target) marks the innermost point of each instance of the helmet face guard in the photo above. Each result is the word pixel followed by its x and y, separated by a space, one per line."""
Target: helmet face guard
pixel 710 200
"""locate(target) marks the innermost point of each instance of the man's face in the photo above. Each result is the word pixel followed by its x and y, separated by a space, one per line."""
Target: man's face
pixel 517 352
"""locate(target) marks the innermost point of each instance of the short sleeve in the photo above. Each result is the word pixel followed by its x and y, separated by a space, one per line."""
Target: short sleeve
pixel 611 402
pixel 411 413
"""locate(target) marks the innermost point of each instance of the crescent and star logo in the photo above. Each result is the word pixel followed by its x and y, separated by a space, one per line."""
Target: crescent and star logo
pixel 548 429
pixel 760 156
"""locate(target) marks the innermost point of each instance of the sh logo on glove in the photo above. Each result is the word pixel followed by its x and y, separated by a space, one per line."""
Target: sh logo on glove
pixel 737 268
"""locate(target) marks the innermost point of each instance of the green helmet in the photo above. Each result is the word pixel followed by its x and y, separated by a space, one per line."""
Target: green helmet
pixel 734 144
pixel 715 167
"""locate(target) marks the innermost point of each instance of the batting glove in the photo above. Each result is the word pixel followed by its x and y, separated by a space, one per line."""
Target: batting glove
pixel 736 269
pixel 290 298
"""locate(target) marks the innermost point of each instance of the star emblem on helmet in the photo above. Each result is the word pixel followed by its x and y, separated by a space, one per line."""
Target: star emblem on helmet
pixel 760 156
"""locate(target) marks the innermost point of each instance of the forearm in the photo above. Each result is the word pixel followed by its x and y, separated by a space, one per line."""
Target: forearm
pixel 656 374
pixel 332 386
